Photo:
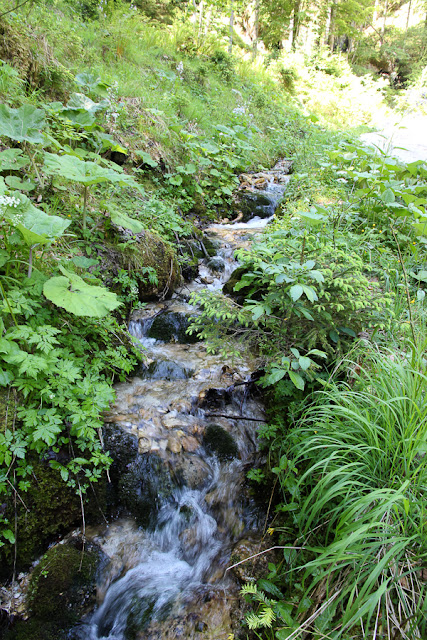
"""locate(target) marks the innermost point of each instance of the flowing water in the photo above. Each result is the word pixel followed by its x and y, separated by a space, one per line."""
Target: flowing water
pixel 193 412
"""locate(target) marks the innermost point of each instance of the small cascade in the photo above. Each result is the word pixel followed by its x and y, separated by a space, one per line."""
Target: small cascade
pixel 193 419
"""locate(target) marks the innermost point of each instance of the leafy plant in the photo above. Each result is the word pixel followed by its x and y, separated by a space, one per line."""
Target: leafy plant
pixel 303 299
pixel 79 298
pixel 357 479
pixel 86 173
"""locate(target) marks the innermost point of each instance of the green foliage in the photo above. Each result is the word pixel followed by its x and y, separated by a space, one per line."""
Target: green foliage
pixel 23 124
pixel 306 296
pixel 354 492
pixel 76 296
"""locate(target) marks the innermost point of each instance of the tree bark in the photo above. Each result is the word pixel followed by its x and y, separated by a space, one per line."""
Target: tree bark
pixel 331 38
pixel 256 27
pixel 385 19
pixel 230 40
pixel 296 23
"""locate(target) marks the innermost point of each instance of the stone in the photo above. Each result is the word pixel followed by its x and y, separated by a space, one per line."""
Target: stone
pixel 171 326
pixel 171 422
pixel 174 445
pixel 218 441
pixel 144 445
pixel 216 264
pixel 193 471
pixel 190 443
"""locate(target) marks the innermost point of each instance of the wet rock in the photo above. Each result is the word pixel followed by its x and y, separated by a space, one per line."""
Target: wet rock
pixel 190 443
pixel 192 471
pixel 211 399
pixel 253 563
pixel 211 615
pixel 166 370
pixel 257 204
pixel 62 589
pixel 143 488
pixel 235 277
pixel 174 444
pixel 171 327
pixel 219 442
pixel 216 264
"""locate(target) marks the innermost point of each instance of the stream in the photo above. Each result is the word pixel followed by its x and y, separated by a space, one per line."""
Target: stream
pixel 194 419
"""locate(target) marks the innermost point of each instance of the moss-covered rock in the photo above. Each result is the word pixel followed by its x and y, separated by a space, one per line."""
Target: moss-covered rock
pixel 144 487
pixel 62 589
pixel 171 327
pixel 218 441
pixel 149 260
pixel 49 509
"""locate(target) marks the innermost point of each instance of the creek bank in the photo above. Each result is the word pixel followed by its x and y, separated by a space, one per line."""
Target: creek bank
pixel 178 477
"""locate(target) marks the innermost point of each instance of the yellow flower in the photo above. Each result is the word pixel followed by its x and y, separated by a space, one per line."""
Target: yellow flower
pixel 412 301
pixel 270 531
pixel 374 225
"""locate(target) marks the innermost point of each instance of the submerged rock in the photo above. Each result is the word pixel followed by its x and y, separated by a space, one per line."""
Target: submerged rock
pixel 171 326
pixel 218 441
pixel 144 487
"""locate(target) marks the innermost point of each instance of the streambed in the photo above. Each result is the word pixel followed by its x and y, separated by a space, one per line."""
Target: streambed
pixel 189 421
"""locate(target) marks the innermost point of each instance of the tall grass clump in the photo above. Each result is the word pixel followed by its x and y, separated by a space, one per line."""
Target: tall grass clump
pixel 360 478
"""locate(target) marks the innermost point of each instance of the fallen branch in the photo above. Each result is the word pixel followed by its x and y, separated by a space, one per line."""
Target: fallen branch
pixel 224 415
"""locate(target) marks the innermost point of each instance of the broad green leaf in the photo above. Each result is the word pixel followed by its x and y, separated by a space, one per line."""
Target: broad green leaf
pixel 4 257
pixel 80 101
pixel 84 263
pixel 296 292
pixel 12 159
pixel 310 293
pixel 270 587
pixel 23 124
pixel 347 331
pixel 297 380
pixel 257 312
pixel 334 336
pixel 36 226
pixel 92 82
pixel 421 294
pixel 176 180
pixel 421 275
pixel 76 296
pixel 420 227
pixel 146 158
pixel 304 362
pixel 312 218
pixel 85 172
pixel 79 116
pixel 388 196
pixel 6 378
pixel 316 352
pixel 275 376
pixel 123 220
pixel 21 185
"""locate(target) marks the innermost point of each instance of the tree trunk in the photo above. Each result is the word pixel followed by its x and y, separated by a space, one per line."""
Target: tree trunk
pixel 331 38
pixel 256 27
pixel 409 13
pixel 230 40
pixel 385 19
pixel 208 21
pixel 201 6
pixel 296 24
